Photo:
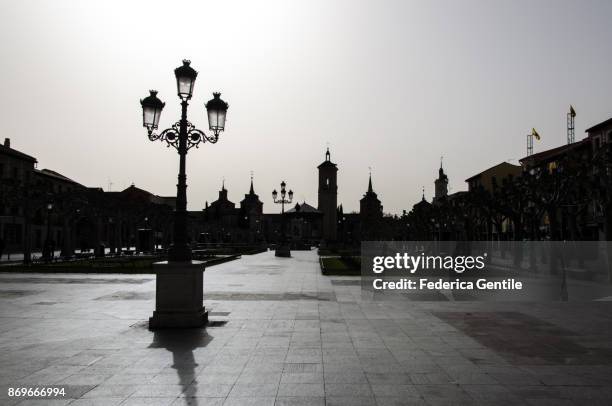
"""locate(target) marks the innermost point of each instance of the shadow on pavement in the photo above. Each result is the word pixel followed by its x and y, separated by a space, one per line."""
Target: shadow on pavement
pixel 181 343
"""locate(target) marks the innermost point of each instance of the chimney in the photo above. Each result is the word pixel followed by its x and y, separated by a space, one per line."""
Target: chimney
pixel 7 142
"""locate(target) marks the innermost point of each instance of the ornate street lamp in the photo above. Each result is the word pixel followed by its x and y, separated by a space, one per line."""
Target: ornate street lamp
pixel 179 281
pixel 183 136
pixel 283 249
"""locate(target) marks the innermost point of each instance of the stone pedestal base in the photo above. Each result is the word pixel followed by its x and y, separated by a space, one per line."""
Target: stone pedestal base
pixel 282 251
pixel 178 295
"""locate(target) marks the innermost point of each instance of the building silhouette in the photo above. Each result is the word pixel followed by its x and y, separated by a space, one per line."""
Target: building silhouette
pixel 559 193
pixel 41 207
pixel 221 220
pixel 89 219
pixel 493 176
pixel 251 213
pixel 370 214
pixel 304 225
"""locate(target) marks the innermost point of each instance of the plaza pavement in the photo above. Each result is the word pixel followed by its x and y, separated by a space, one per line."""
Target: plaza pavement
pixel 283 334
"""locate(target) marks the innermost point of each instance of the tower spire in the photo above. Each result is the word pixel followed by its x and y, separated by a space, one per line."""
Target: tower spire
pixel 423 198
pixel 252 190
pixel 370 189
pixel 327 155
pixel 441 174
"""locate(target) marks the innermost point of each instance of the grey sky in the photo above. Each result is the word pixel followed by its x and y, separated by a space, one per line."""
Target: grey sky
pixel 389 84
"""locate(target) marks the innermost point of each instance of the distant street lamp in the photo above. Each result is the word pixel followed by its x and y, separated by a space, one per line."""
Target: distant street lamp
pixel 283 249
pixel 47 255
pixel 180 275
pixel 183 136
pixel 112 236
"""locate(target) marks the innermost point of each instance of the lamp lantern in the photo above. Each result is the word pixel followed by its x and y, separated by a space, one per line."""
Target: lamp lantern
pixel 217 111
pixel 185 79
pixel 151 110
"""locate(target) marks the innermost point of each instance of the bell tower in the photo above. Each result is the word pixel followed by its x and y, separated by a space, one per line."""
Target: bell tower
pixel 328 197
pixel 441 184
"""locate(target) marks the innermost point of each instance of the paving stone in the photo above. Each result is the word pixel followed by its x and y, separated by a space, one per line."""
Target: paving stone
pixel 198 401
pixel 301 389
pixel 345 376
pixel 254 390
pixel 158 390
pixel 264 377
pixel 44 402
pixel 207 390
pixel 110 391
pixel 144 401
pixel 255 401
pixel 394 390
pixel 300 401
pixel 347 390
pixel 378 378
pixel 212 378
pixel 97 402
pixel 400 401
pixel 349 401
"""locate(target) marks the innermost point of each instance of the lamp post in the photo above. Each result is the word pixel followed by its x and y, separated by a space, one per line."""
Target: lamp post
pixel 183 136
pixel 112 236
pixel 47 248
pixel 179 280
pixel 283 249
